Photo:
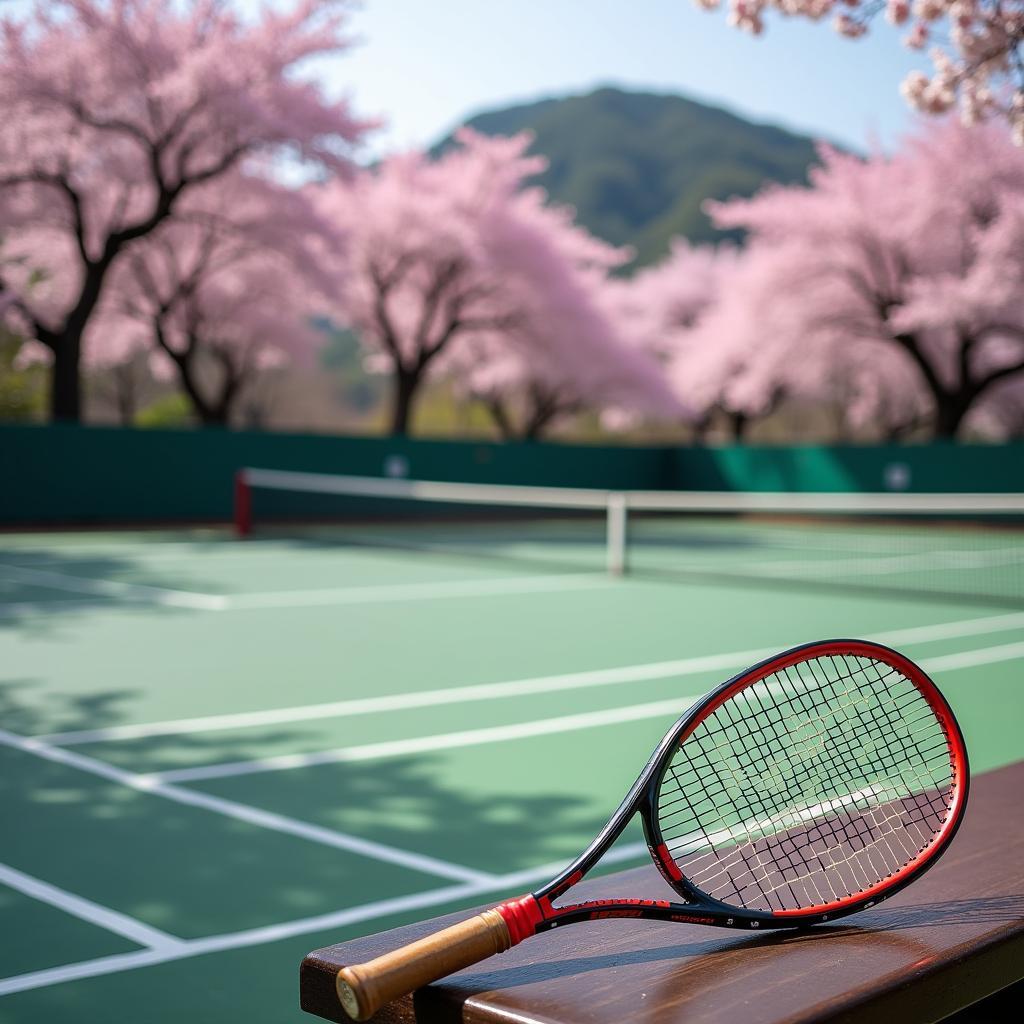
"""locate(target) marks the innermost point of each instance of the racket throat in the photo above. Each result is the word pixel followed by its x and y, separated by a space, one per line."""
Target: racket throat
pixel 521 917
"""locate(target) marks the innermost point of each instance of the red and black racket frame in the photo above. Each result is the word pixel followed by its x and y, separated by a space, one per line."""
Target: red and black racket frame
pixel 537 913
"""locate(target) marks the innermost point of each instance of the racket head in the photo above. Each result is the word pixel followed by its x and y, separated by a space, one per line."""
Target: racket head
pixel 808 787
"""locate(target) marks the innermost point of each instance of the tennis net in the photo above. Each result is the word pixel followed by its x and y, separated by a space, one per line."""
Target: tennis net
pixel 960 546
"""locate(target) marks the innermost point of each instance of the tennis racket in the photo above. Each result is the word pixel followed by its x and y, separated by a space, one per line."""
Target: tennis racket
pixel 808 787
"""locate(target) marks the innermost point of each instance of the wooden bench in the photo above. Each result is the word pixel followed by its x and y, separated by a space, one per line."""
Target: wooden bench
pixel 953 937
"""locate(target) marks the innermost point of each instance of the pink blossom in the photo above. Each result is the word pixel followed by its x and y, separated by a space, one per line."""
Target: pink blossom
pixel 849 27
pixel 930 10
pixel 984 56
pixel 219 298
pixel 895 284
pixel 114 112
pixel 897 11
pixel 917 37
pixel 457 268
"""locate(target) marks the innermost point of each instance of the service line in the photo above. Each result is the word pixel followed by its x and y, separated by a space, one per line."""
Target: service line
pixel 667 709
pixel 243 812
pixel 85 910
pixel 144 594
pixel 138 592
pixel 515 688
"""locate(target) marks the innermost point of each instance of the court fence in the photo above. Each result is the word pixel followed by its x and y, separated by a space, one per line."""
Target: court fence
pixel 64 474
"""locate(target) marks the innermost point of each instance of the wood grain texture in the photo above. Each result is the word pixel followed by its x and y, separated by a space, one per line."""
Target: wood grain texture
pixel 953 937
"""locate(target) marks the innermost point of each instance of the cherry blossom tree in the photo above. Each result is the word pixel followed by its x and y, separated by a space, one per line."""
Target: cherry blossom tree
pixel 564 353
pixel 226 289
pixel 978 57
pixel 527 394
pixel 897 283
pixel 664 310
pixel 115 111
pixel 454 267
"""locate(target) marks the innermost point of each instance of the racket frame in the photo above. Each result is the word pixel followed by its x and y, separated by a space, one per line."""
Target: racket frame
pixel 536 913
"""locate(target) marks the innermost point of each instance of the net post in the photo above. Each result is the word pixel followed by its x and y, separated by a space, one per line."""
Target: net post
pixel 243 505
pixel 617 531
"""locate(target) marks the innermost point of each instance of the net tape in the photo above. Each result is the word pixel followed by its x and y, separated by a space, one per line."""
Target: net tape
pixel 815 783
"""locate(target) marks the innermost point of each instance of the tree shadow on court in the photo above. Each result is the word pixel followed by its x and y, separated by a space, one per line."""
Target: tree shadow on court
pixel 413 803
pixel 42 589
pixel 405 802
pixel 21 713
pixel 194 871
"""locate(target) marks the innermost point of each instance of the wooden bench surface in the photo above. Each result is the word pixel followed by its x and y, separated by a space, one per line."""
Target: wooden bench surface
pixel 953 937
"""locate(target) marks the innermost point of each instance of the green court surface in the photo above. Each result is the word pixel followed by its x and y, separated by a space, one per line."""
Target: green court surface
pixel 217 755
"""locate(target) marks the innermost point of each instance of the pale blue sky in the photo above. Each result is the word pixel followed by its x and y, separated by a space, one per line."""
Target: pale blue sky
pixel 426 64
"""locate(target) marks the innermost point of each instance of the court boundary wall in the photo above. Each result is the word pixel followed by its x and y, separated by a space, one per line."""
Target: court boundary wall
pixel 72 475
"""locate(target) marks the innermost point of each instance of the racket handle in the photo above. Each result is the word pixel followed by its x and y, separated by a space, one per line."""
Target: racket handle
pixel 364 988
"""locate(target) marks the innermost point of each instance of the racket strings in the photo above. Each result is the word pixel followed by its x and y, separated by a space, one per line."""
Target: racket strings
pixel 843 823
pixel 814 783
pixel 813 813
pixel 763 853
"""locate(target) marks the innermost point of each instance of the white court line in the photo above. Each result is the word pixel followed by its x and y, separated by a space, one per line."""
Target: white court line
pixel 378 909
pixel 384 908
pixel 421 744
pixel 888 564
pixel 242 812
pixel 301 926
pixel 156 551
pixel 103 917
pixel 417 591
pixel 515 688
pixel 423 698
pixel 112 588
pixel 521 730
pixel 971 659
pixel 371 594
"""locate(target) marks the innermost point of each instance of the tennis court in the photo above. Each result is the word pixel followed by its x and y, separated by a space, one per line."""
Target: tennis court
pixel 221 754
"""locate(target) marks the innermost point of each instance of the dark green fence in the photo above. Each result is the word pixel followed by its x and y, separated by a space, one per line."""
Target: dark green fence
pixel 937 467
pixel 70 474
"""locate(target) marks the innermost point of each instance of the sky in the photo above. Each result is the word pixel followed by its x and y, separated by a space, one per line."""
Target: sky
pixel 425 65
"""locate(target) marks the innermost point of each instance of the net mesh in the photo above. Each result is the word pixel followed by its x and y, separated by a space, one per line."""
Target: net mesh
pixel 963 548
pixel 813 784
pixel 972 556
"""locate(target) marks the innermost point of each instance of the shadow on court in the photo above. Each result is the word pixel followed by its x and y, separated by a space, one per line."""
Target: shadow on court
pixel 195 872
pixel 43 588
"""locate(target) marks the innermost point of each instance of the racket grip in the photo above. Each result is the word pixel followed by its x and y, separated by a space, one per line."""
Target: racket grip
pixel 364 988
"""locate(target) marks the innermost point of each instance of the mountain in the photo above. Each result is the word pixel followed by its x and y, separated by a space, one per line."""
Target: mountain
pixel 638 165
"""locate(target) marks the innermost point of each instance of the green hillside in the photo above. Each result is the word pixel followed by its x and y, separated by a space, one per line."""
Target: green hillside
pixel 637 165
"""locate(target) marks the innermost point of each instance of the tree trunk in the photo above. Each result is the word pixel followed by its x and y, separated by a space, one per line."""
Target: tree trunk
pixel 738 421
pixel 66 343
pixel 502 418
pixel 406 384
pixel 950 410
pixel 124 393
pixel 65 378
pixel 210 413
pixel 213 415
pixel 538 422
